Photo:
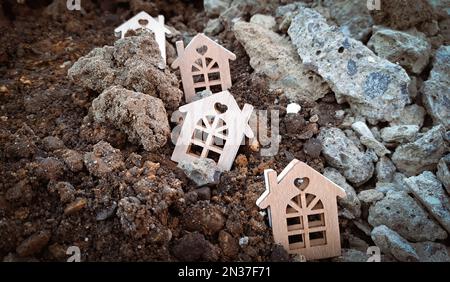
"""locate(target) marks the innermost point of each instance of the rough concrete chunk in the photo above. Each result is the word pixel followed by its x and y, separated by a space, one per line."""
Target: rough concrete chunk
pixel 341 153
pixel 279 61
pixel 410 50
pixel 411 115
pixel 351 201
pixel 202 171
pixel 429 191
pixel 423 154
pixel 400 133
pixel 142 117
pixel 443 172
pixel 390 242
pixel 385 169
pixel 374 87
pixel 370 196
pixel 401 213
pixel 133 62
pixel 265 21
pixel 436 90
pixel 431 252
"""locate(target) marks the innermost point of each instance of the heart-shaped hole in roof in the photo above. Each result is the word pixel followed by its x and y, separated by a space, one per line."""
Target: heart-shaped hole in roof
pixel 143 22
pixel 301 183
pixel 202 50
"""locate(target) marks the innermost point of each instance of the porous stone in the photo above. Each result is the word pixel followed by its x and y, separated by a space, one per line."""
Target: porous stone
pixel 279 61
pixel 351 201
pixel 341 153
pixel 410 115
pixel 401 213
pixel 385 169
pixel 202 171
pixel 422 154
pixel 370 196
pixel 429 191
pixel 374 87
pixel 134 63
pixel 142 117
pixel 400 133
pixel 436 90
pixel 411 50
pixel 443 172
pixel 265 21
pixel 431 252
pixel 390 242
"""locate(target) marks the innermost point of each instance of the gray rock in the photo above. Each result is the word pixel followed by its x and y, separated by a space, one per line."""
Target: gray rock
pixel 390 242
pixel 142 117
pixel 385 169
pixel 215 7
pixel 202 171
pixel 351 255
pixel 353 17
pixel 385 187
pixel 431 252
pixel 341 153
pixel 362 129
pixel 213 27
pixel 409 49
pixel 265 21
pixel 429 191
pixel 422 154
pixel 399 212
pixel 443 172
pixel 411 115
pixel 351 202
pixel 280 63
pixel 133 62
pixel 400 133
pixel 436 90
pixel 285 13
pixel 370 196
pixel 374 87
pixel 375 145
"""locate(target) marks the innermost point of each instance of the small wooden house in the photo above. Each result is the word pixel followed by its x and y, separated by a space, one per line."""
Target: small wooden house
pixel 303 212
pixel 204 65
pixel 144 21
pixel 214 127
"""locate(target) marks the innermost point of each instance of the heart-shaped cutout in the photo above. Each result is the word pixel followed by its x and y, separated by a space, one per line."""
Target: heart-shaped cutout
pixel 301 183
pixel 202 50
pixel 220 108
pixel 143 22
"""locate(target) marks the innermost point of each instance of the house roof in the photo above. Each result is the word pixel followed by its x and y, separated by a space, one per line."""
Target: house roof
pixel 192 46
pixel 295 164
pixel 224 97
pixel 133 23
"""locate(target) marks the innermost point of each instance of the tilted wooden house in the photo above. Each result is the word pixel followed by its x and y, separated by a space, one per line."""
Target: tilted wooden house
pixel 204 65
pixel 303 212
pixel 214 127
pixel 143 20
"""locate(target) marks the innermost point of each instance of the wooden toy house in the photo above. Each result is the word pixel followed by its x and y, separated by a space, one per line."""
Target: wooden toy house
pixel 204 65
pixel 303 212
pixel 143 20
pixel 214 127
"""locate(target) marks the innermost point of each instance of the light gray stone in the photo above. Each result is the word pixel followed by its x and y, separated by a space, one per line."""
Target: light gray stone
pixel 213 27
pixel 443 172
pixel 436 90
pixel 401 213
pixel 385 169
pixel 409 49
pixel 422 154
pixel 429 191
pixel 374 87
pixel 390 242
pixel 411 115
pixel 341 153
pixel 202 171
pixel 370 196
pixel 375 145
pixel 279 61
pixel 142 117
pixel 351 202
pixel 216 7
pixel 351 255
pixel 265 21
pixel 400 133
pixel 431 252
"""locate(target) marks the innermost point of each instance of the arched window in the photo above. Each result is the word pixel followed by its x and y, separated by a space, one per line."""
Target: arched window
pixel 305 219
pixel 209 138
pixel 206 72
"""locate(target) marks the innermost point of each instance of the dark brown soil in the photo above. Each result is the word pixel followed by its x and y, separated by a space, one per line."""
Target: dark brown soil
pixel 49 200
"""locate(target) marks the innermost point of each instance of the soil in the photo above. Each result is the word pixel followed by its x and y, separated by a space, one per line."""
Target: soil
pixel 51 198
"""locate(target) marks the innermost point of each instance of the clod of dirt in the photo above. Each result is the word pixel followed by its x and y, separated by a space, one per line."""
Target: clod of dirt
pixel 228 244
pixel 279 254
pixel 33 244
pixel 65 190
pixel 52 143
pixel 207 219
pixel 20 192
pixel 23 143
pixel 142 117
pixel 400 14
pixel 103 160
pixel 49 168
pixel 194 247
pixel 75 206
pixel 134 63
pixel 72 159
